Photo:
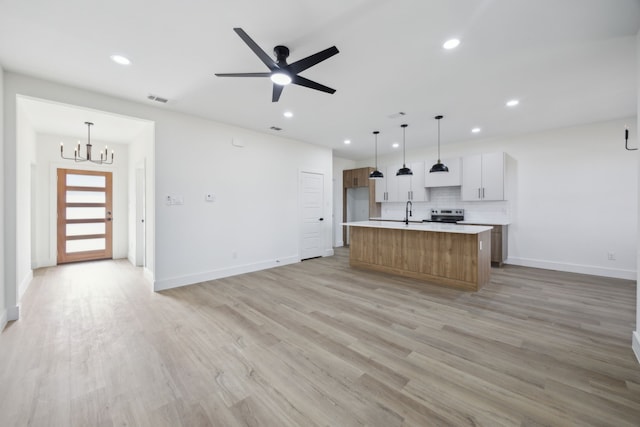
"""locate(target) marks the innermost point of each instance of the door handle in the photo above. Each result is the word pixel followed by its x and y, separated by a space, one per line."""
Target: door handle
pixel 321 219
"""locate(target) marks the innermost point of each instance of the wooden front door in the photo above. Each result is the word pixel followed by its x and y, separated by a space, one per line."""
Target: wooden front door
pixel 84 215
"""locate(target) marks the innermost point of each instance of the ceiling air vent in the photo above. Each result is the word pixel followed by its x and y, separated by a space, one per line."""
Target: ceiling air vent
pixel 275 128
pixel 157 98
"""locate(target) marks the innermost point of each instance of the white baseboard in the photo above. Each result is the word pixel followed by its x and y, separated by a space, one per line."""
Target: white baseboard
pixel 191 279
pixel 635 344
pixel 24 284
pixel 13 313
pixel 329 252
pixel 148 274
pixel 573 268
pixel 3 319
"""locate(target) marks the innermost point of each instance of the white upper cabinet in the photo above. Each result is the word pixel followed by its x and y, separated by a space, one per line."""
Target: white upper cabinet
pixel 483 177
pixel 387 187
pixel 394 188
pixel 444 179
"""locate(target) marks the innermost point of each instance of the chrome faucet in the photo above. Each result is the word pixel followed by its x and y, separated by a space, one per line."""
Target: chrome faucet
pixel 407 212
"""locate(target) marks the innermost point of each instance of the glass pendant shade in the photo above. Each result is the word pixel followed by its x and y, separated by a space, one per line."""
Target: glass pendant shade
pixel 439 166
pixel 376 174
pixel 404 170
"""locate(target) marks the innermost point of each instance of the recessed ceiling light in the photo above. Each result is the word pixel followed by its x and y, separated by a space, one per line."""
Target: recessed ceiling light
pixel 347 141
pixel 395 145
pixel 451 44
pixel 288 114
pixel 512 103
pixel 119 59
pixel 476 130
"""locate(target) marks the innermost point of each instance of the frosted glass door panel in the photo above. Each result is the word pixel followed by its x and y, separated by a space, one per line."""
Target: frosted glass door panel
pixel 74 180
pixel 86 213
pixel 86 229
pixel 86 245
pixel 86 197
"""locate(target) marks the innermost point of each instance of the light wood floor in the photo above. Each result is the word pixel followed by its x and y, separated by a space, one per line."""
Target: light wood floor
pixel 319 344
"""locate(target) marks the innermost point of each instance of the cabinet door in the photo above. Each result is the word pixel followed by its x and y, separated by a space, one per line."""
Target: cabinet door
pixel 404 187
pixel 493 176
pixel 444 179
pixel 418 191
pixel 347 178
pixel 362 177
pixel 471 177
pixel 392 185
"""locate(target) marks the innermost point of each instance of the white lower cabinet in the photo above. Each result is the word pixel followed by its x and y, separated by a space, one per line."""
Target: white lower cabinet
pixel 483 177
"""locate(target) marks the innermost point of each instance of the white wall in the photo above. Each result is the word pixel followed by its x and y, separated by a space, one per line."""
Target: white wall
pixel 25 159
pixel 566 186
pixel 255 215
pixel 48 161
pixel 339 164
pixel 254 220
pixel 3 306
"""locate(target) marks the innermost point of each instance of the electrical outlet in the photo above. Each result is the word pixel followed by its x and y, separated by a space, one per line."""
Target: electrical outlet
pixel 611 256
pixel 210 197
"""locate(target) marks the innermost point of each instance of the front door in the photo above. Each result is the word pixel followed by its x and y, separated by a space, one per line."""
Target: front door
pixel 312 201
pixel 84 215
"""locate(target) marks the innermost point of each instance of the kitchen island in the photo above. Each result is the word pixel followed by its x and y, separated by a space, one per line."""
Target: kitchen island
pixel 452 255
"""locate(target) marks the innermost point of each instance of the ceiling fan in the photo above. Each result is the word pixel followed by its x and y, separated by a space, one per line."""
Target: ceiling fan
pixel 281 73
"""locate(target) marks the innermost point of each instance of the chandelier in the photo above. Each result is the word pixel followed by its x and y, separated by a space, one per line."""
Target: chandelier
pixel 77 156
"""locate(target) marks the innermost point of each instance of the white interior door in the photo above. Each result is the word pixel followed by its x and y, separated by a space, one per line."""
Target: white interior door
pixel 311 215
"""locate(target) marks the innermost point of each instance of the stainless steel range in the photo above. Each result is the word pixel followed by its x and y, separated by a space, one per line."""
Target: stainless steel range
pixel 446 215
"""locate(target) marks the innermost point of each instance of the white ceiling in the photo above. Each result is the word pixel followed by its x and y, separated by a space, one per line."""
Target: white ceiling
pixel 568 61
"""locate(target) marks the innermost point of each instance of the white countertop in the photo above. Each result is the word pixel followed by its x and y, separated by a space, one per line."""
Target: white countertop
pixel 483 222
pixel 465 222
pixel 425 226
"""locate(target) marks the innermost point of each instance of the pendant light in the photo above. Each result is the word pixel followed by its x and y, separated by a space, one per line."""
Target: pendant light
pixel 404 170
pixel 376 174
pixel 439 166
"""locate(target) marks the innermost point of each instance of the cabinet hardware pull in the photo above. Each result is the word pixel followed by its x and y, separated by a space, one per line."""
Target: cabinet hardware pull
pixel 479 194
pixel 483 192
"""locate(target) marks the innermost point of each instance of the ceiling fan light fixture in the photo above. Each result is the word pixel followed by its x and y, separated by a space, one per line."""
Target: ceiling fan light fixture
pixel 281 78
pixel 439 166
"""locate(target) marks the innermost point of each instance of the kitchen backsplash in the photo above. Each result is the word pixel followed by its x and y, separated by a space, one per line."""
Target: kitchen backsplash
pixel 449 197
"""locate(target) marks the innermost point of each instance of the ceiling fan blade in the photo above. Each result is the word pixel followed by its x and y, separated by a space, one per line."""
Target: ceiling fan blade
pixel 301 81
pixel 268 61
pixel 277 91
pixel 243 74
pixel 312 60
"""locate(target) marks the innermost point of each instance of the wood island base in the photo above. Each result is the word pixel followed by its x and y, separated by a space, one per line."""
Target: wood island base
pixel 457 260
